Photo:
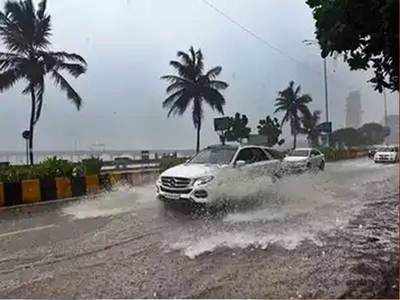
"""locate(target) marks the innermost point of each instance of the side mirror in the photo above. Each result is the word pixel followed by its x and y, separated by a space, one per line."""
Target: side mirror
pixel 240 163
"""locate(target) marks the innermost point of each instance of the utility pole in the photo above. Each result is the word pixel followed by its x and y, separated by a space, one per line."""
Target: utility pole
pixel 314 42
pixel 385 111
pixel 326 101
pixel 385 108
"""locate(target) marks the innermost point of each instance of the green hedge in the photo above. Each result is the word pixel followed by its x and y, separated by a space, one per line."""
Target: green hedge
pixel 50 168
pixel 333 154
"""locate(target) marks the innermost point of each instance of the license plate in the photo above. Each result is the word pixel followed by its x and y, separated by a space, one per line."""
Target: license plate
pixel 172 196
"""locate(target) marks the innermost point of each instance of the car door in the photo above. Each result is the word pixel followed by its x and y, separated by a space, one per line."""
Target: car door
pixel 316 158
pixel 313 158
pixel 257 162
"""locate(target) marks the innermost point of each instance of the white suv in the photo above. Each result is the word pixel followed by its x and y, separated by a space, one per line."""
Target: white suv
pixel 387 154
pixel 197 179
pixel 303 159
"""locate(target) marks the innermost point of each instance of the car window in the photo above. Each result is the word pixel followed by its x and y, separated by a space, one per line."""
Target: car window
pixel 314 153
pixel 259 155
pixel 246 155
pixel 300 153
pixel 252 155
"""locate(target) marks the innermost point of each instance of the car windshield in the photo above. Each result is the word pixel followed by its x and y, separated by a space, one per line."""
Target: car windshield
pixel 302 153
pixel 214 156
pixel 390 149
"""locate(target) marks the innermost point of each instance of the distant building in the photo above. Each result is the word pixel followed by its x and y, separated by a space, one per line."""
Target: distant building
pixel 393 124
pixel 353 109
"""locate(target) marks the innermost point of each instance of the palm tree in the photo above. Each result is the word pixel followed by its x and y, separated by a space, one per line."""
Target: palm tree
pixel 310 123
pixel 192 87
pixel 25 32
pixel 293 105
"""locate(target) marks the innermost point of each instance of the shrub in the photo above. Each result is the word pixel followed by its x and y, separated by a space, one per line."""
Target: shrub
pixel 50 168
pixel 91 166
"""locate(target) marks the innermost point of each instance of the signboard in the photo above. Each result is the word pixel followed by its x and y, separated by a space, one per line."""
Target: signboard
pixel 325 127
pixel 221 124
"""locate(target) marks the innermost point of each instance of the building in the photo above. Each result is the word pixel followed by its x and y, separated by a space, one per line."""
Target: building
pixel 393 124
pixel 353 110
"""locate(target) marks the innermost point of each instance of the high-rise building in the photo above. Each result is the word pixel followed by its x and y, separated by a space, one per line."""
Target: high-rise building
pixel 353 109
pixel 393 124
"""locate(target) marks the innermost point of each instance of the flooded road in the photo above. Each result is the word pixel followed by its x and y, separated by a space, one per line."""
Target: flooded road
pixel 330 235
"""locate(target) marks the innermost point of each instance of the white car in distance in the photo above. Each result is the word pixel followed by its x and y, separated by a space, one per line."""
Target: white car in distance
pixel 304 159
pixel 198 179
pixel 387 154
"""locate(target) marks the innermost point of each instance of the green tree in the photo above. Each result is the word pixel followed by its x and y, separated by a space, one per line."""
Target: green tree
pixel 373 133
pixel 237 128
pixel 293 104
pixel 25 32
pixel 192 87
pixel 366 32
pixel 310 122
pixel 271 129
pixel 346 137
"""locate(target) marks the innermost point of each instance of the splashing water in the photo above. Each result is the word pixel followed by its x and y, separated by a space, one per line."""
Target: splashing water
pixel 286 212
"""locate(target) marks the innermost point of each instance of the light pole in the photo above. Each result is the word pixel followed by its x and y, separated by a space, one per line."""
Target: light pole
pixel 385 112
pixel 313 42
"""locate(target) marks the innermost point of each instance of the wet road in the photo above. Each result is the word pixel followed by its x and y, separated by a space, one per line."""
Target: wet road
pixel 331 235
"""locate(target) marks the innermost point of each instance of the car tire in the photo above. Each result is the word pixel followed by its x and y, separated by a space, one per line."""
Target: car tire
pixel 322 166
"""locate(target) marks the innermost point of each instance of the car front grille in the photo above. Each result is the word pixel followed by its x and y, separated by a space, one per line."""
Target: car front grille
pixel 175 182
pixel 175 191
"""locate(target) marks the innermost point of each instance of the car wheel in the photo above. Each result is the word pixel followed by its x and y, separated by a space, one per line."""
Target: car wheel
pixel 322 165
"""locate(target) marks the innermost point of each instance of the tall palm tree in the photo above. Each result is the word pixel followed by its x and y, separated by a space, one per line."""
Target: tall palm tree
pixel 310 123
pixel 192 87
pixel 25 32
pixel 294 105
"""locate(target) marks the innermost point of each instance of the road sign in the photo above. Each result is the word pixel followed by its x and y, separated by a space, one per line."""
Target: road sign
pixel 221 124
pixel 26 134
pixel 325 127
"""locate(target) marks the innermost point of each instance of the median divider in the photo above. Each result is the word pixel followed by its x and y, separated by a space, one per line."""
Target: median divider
pixel 63 188
pixel 12 193
pixel 92 184
pixel 2 197
pixel 48 189
pixel 78 185
pixel 34 190
pixel 30 191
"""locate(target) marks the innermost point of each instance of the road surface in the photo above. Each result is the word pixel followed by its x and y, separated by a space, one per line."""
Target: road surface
pixel 331 235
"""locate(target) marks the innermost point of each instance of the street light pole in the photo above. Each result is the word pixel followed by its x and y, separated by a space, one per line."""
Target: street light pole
pixel 314 42
pixel 326 93
pixel 326 101
pixel 385 107
pixel 385 112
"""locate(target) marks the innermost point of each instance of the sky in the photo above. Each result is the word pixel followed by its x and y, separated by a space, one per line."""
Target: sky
pixel 128 45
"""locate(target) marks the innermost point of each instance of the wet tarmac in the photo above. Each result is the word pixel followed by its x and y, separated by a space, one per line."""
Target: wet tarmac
pixel 329 235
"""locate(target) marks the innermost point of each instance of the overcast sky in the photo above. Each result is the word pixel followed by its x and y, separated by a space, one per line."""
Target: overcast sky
pixel 128 44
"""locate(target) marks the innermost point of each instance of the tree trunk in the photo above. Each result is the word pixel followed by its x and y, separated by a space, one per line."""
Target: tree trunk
pixel 198 137
pixel 31 126
pixel 294 140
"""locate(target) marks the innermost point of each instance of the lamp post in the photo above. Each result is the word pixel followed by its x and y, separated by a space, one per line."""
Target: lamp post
pixel 26 135
pixel 313 42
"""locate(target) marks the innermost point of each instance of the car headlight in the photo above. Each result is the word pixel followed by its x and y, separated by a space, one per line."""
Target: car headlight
pixel 203 180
